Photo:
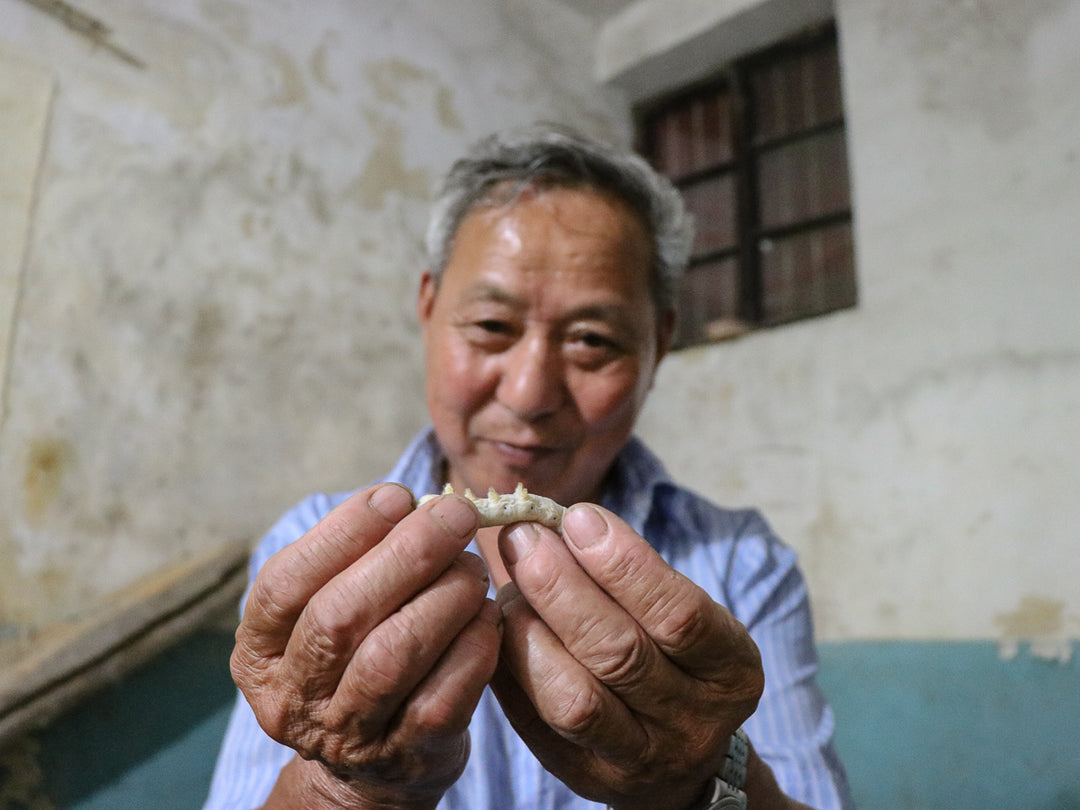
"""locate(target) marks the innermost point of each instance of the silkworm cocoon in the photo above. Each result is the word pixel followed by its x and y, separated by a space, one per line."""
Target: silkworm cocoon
pixel 517 507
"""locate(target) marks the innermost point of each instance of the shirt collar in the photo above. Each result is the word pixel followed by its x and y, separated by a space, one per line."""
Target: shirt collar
pixel 632 484
pixel 420 466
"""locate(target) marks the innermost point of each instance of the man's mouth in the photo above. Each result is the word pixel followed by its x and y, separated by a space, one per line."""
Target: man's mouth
pixel 521 455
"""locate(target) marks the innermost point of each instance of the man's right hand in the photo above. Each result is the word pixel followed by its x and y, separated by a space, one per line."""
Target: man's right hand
pixel 365 646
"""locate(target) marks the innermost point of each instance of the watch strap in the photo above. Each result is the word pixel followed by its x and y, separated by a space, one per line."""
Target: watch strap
pixel 734 769
pixel 726 790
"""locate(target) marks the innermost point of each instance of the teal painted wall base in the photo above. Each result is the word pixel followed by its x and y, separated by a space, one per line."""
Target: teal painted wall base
pixel 950 725
pixel 920 726
pixel 147 743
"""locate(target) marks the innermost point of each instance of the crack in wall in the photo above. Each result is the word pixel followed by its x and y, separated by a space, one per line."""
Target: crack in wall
pixel 86 26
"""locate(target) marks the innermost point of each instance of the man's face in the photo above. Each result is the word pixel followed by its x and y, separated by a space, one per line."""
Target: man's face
pixel 541 343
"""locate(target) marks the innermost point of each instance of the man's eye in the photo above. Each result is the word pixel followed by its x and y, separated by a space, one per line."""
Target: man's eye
pixel 596 341
pixel 494 327
pixel 491 334
pixel 594 349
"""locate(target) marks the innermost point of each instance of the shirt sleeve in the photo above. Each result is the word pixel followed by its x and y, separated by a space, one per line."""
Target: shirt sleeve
pixel 249 762
pixel 792 728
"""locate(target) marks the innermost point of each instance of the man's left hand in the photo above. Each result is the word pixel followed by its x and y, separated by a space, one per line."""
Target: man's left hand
pixel 623 677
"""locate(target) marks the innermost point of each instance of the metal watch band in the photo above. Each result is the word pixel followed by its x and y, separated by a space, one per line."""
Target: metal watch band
pixel 734 770
pixel 727 788
pixel 725 797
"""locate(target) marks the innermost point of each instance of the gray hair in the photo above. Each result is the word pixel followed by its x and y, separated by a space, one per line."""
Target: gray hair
pixel 549 155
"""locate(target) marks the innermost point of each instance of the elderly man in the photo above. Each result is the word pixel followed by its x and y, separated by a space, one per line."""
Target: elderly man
pixel 624 655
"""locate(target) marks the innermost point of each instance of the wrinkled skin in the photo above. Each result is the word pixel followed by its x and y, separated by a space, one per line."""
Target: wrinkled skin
pixel 367 643
pixel 541 342
pixel 624 678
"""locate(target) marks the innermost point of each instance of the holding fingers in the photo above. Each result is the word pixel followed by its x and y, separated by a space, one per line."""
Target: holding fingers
pixel 623 676
pixel 366 644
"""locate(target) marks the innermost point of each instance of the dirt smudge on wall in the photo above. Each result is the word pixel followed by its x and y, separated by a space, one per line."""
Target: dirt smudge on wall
pixel 46 463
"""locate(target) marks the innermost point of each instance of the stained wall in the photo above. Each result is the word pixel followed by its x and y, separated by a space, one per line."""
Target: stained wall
pixel 208 298
pixel 219 210
pixel 919 450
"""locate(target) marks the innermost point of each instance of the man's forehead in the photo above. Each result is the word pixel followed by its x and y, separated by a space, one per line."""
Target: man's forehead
pixel 575 243
pixel 500 209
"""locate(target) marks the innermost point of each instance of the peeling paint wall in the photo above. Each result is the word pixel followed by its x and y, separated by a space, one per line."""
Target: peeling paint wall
pixel 921 450
pixel 215 314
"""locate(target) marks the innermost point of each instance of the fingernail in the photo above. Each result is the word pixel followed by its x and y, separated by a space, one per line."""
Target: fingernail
pixel 491 611
pixel 392 502
pixel 521 540
pixel 455 515
pixel 476 565
pixel 583 525
pixel 506 594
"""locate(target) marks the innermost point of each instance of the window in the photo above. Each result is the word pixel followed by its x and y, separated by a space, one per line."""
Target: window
pixel 759 154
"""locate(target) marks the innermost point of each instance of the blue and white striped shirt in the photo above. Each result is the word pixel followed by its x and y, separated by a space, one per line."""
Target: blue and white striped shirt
pixel 731 554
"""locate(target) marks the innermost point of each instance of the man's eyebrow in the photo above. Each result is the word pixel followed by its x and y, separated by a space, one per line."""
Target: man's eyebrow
pixel 613 314
pixel 600 312
pixel 483 291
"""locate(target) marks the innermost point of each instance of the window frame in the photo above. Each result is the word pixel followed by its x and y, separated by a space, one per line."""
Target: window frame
pixel 745 165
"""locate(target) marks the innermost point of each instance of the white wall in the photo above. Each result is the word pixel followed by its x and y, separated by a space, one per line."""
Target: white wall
pixel 921 450
pixel 214 308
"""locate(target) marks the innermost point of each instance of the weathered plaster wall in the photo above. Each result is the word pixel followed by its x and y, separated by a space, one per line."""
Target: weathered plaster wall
pixel 921 450
pixel 215 312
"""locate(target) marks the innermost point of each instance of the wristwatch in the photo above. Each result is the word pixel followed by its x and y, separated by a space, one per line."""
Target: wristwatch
pixel 726 788
pixel 726 791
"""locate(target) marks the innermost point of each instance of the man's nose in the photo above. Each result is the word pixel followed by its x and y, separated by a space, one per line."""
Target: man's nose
pixel 532 383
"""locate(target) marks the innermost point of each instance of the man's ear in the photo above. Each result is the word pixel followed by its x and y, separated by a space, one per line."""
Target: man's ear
pixel 425 298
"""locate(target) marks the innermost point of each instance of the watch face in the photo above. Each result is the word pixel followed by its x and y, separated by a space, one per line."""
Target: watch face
pixel 728 803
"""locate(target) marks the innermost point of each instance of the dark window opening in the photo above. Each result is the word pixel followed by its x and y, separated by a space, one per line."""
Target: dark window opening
pixel 759 153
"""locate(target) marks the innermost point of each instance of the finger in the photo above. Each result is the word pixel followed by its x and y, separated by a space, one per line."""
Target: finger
pixel 341 614
pixel 291 577
pixel 555 753
pixel 694 632
pixel 570 698
pixel 444 702
pixel 400 652
pixel 593 627
pixel 428 746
